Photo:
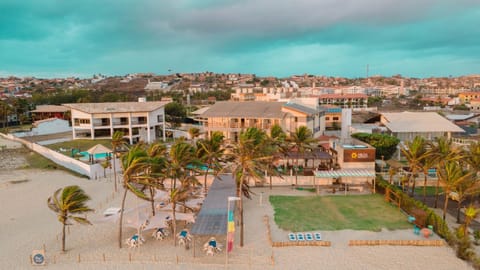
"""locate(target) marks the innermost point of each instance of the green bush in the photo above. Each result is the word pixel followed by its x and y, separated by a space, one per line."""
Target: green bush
pixel 384 144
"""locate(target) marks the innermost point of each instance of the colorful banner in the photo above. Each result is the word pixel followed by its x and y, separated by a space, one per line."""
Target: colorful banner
pixel 230 231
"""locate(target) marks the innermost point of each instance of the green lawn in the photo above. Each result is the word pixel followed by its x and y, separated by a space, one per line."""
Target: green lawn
pixel 362 212
pixel 430 191
pixel 81 144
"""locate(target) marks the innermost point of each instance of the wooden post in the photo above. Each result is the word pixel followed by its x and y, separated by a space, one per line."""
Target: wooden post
pixel 78 258
pixel 130 257
pixel 104 259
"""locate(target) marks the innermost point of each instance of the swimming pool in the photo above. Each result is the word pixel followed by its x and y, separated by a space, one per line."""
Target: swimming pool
pixel 85 156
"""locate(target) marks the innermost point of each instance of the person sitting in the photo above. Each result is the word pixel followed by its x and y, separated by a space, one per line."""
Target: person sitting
pixel 211 246
pixel 183 237
pixel 159 233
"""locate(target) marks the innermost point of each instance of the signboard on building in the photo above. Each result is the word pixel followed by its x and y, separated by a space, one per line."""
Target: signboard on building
pixel 358 155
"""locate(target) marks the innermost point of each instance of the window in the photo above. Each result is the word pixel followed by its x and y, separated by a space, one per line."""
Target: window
pixel 327 118
pixel 160 118
pixel 335 118
pixel 296 119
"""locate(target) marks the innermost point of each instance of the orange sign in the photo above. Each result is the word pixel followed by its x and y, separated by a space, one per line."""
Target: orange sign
pixel 358 155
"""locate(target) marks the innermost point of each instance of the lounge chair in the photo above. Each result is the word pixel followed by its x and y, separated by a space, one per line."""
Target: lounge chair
pixel 309 236
pixel 318 236
pixel 300 237
pixel 292 237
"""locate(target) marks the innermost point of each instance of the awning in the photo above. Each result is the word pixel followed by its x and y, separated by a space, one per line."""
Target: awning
pixel 345 173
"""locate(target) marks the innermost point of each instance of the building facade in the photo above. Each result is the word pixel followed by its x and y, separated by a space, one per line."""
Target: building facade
pixel 231 118
pixel 139 121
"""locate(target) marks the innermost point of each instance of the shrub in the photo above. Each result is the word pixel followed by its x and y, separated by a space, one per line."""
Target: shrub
pixel 385 145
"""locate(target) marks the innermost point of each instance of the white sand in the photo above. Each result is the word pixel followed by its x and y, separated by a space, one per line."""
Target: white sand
pixel 26 224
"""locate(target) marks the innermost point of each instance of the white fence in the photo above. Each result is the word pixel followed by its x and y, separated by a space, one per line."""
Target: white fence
pixel 93 171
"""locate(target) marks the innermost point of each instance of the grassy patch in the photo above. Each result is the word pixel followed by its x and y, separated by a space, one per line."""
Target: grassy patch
pixel 430 191
pixel 81 144
pixel 37 161
pixel 363 212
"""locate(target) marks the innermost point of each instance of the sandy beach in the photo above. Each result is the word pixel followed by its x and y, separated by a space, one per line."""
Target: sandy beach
pixel 27 224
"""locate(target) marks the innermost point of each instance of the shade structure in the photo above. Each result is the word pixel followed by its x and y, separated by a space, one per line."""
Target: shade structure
pixel 212 219
pixel 345 173
pixel 98 149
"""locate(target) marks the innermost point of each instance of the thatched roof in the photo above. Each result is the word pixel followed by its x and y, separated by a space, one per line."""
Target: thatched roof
pixel 98 149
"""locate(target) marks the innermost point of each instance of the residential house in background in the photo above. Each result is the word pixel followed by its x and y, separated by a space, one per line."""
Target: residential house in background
pixel 139 121
pixel 231 118
pixel 344 100
pixel 50 111
pixel 407 125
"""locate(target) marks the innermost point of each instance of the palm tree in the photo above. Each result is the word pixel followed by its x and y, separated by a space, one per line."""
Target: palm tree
pixel 414 152
pixel 278 141
pixel 194 132
pixel 211 152
pixel 156 162
pixel 68 203
pixel 469 187
pixel 302 141
pixel 472 157
pixel 181 156
pixel 133 164
pixel 426 163
pixel 451 175
pixel 470 214
pixel 442 151
pixel 117 142
pixel 250 157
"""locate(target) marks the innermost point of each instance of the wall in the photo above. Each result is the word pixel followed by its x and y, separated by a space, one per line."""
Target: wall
pixel 92 171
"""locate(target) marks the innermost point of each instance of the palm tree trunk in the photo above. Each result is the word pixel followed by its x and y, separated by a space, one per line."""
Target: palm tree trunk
pixel 114 171
pixel 459 203
pixel 121 219
pixel 445 205
pixel 425 186
pixel 414 180
pixel 63 237
pixel 205 179
pixel 242 229
pixel 436 193
pixel 296 172
pixel 174 224
pixel 152 201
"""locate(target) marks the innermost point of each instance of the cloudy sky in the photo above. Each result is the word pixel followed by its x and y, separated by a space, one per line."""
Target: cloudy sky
pixel 417 38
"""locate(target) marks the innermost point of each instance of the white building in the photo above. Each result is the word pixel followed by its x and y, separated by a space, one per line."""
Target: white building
pixel 407 125
pixel 139 121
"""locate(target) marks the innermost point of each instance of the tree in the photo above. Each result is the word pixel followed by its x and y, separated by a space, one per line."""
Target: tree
pixel 470 214
pixel 385 145
pixel 441 151
pixel 211 152
pixel 181 156
pixel 469 187
pixel 117 142
pixel 451 175
pixel 414 153
pixel 133 163
pixel 175 113
pixel 426 163
pixel 68 203
pixel 278 142
pixel 301 140
pixel 249 157
pixel 194 132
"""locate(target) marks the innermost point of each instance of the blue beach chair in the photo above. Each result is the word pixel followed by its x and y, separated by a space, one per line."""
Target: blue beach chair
pixel 309 236
pixel 292 237
pixel 318 236
pixel 300 237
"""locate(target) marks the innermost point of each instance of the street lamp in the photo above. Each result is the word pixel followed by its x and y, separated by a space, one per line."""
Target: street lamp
pixel 230 199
